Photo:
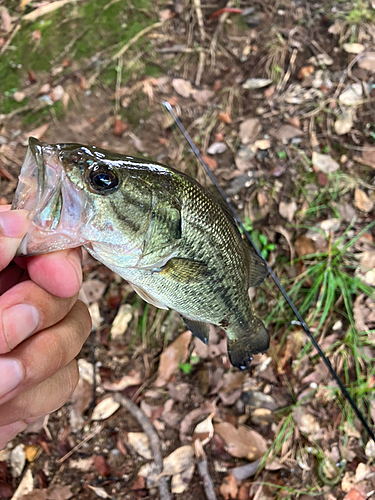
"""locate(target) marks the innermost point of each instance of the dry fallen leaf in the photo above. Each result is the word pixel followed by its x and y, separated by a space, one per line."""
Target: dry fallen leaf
pixel 242 442
pixel 119 127
pixel 353 48
pixel 178 461
pixel 139 441
pixel 217 148
pixel 211 162
pixel 105 409
pixel 324 163
pixel 362 201
pixel 182 87
pixel 173 355
pixel 122 320
pixel 305 71
pixel 203 96
pixel 287 210
pixel 204 430
pixel 229 488
pixel 367 61
pixel 224 117
pixel 287 132
pixel 180 482
pixel 304 246
pixel 249 129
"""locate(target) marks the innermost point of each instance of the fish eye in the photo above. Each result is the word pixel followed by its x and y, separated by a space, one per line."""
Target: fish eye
pixel 103 179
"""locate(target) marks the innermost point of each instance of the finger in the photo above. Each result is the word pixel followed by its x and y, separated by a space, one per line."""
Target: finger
pixel 41 399
pixel 13 227
pixel 43 354
pixel 10 276
pixel 8 432
pixel 60 273
pixel 26 309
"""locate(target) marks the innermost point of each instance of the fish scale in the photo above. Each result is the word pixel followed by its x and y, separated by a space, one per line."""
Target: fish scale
pixel 157 228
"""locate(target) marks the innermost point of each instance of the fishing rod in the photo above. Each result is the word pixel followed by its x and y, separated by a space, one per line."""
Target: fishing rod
pixel 301 321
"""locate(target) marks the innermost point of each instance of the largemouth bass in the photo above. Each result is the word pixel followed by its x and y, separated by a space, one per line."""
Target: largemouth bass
pixel 158 228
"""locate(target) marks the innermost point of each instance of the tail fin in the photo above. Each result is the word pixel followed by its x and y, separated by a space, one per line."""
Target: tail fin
pixel 244 344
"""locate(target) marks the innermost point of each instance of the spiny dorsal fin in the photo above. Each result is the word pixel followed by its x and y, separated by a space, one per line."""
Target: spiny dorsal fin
pixel 197 328
pixel 257 268
pixel 184 270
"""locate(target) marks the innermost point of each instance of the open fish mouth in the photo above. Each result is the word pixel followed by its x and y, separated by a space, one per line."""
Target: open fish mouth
pixel 54 203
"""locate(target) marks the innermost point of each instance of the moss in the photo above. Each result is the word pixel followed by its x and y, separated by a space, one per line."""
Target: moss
pixel 90 28
pixel 137 110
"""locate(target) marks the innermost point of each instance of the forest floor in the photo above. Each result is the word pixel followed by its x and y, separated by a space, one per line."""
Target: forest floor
pixel 279 97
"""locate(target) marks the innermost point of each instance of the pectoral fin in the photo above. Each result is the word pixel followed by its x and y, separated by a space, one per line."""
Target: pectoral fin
pixel 257 269
pixel 147 297
pixel 244 344
pixel 197 328
pixel 184 270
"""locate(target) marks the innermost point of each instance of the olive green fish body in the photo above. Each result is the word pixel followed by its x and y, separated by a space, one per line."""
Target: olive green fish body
pixel 170 238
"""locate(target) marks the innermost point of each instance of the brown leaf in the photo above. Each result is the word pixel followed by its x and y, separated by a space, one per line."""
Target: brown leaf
pixel 242 442
pixel 269 92
pixel 304 246
pixel 39 132
pixel 305 71
pixel 224 117
pixel 173 355
pixel 229 488
pixel 362 201
pixel 182 87
pixel 287 132
pixel 119 127
pixel 354 494
pixel 211 162
pixel 367 61
pixel 322 179
pixel 166 14
pixel 101 465
pixel 203 96
pixel 287 210
pixel 6 20
pixel 249 129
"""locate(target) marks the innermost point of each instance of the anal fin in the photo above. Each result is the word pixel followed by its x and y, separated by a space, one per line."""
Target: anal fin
pixel 197 328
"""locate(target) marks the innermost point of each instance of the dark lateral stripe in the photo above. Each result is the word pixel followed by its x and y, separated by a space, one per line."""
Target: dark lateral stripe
pixel 132 224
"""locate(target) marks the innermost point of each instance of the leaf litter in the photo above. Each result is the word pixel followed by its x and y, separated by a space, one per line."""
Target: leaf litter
pixel 285 138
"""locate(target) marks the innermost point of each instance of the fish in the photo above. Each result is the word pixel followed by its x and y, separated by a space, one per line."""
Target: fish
pixel 176 244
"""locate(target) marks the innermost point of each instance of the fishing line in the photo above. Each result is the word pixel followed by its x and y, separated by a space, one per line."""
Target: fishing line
pixel 301 322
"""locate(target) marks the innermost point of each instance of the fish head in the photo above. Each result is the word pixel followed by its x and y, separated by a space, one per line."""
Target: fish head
pixel 67 189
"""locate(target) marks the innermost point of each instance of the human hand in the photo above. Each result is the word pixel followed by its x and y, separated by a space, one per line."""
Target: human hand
pixel 42 328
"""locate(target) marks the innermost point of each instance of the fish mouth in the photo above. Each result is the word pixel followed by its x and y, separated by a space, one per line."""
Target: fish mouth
pixel 53 202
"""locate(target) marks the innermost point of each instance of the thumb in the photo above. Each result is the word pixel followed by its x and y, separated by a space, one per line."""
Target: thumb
pixel 13 227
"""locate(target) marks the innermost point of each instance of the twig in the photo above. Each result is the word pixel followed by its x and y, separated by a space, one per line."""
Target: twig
pixel 214 41
pixel 284 81
pixel 203 471
pixel 198 10
pixel 118 85
pixel 122 51
pixel 135 38
pixel 12 35
pixel 202 59
pixel 79 445
pixel 153 438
